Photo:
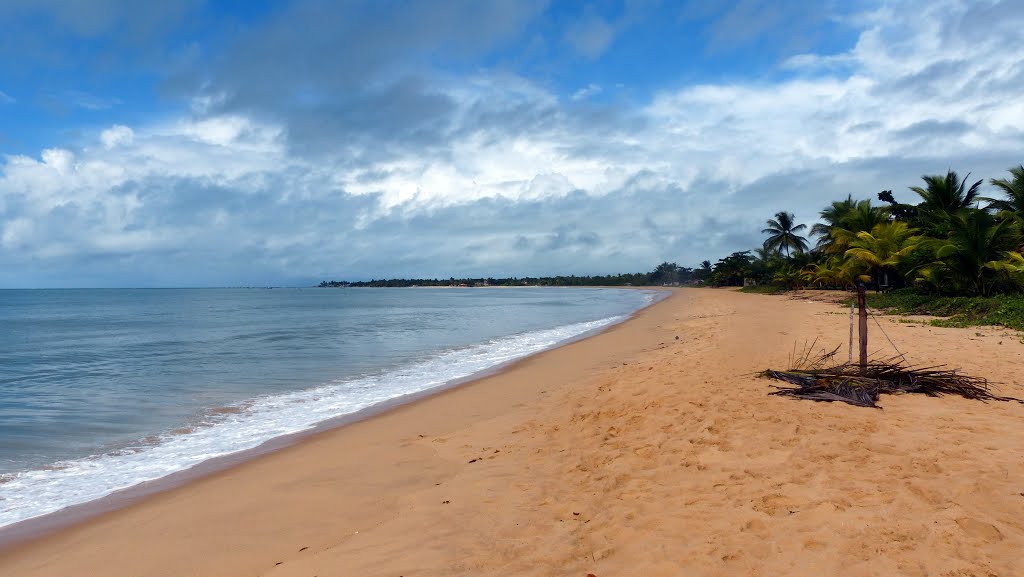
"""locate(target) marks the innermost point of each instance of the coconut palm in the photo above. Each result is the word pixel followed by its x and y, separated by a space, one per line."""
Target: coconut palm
pixel 832 218
pixel 703 273
pixel 1013 189
pixel 857 217
pixel 1013 266
pixel 767 258
pixel 834 272
pixel 764 264
pixel 789 277
pixel 975 256
pixel 782 233
pixel 941 198
pixel 883 250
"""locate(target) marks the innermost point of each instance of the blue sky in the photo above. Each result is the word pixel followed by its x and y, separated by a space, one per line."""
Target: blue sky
pixel 210 143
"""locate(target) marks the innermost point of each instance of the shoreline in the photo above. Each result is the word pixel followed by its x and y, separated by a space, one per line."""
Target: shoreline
pixel 34 528
pixel 630 452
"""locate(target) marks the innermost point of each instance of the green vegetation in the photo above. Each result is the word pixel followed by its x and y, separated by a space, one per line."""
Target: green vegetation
pixel 950 244
pixel 764 289
pixel 666 273
pixel 782 235
pixel 1005 310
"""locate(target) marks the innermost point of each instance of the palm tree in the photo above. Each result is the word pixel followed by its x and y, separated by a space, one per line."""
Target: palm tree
pixel 846 219
pixel 883 250
pixel 865 217
pixel 704 272
pixel 978 250
pixel 834 272
pixel 832 218
pixel 764 264
pixel 789 277
pixel 1013 205
pixel 942 197
pixel 782 234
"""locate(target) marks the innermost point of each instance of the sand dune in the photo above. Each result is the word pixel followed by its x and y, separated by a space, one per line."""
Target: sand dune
pixel 630 453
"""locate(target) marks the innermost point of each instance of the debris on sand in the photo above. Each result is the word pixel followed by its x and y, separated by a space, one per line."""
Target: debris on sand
pixel 861 385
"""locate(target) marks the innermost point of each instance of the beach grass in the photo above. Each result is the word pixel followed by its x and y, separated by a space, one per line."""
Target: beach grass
pixel 1001 310
pixel 764 289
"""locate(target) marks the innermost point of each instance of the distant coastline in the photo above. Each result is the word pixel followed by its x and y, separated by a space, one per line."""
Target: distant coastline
pixel 665 274
pixel 611 280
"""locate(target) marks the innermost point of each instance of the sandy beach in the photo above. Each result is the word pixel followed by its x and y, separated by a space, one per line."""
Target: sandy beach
pixel 648 450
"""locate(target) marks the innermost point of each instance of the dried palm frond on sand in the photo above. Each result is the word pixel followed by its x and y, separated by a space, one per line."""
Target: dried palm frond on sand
pixel 850 383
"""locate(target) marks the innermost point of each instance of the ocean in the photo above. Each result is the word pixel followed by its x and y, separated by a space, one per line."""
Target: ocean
pixel 101 390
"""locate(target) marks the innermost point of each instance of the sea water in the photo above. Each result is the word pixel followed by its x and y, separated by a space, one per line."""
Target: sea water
pixel 101 390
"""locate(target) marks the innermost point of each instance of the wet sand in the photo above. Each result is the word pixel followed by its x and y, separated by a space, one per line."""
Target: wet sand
pixel 629 453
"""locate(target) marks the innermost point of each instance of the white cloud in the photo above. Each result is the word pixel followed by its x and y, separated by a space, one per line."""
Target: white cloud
pixel 59 160
pixel 113 200
pixel 226 130
pixel 5 98
pixel 689 175
pixel 117 135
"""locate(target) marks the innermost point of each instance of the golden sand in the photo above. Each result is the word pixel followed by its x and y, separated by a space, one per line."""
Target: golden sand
pixel 629 453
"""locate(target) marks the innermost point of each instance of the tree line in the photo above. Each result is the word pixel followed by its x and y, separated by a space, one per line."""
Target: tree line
pixel 666 273
pixel 629 279
pixel 953 242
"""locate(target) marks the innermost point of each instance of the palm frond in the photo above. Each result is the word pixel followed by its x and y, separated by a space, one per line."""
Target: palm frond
pixel 852 384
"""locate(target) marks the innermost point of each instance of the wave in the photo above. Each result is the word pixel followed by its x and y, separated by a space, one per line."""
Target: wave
pixel 226 430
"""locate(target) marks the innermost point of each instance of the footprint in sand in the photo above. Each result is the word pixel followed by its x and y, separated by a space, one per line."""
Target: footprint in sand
pixel 987 532
pixel 814 545
pixel 774 505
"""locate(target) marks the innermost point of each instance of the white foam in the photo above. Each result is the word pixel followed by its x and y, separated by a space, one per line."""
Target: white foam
pixel 29 494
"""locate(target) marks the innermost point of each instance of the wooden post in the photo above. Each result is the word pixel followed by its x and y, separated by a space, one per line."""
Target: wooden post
pixel 849 356
pixel 862 310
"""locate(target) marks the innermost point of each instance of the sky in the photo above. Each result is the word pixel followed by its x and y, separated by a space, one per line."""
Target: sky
pixel 251 143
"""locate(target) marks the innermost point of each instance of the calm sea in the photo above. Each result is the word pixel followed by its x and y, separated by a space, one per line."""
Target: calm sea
pixel 103 389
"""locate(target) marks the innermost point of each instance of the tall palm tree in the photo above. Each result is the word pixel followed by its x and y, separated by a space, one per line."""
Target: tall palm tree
pixel 1013 189
pixel 883 250
pixel 782 234
pixel 941 198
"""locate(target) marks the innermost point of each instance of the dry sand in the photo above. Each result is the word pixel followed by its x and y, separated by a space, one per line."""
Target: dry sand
pixel 630 453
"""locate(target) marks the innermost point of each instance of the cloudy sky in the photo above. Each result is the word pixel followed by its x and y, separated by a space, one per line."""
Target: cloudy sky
pixel 202 143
